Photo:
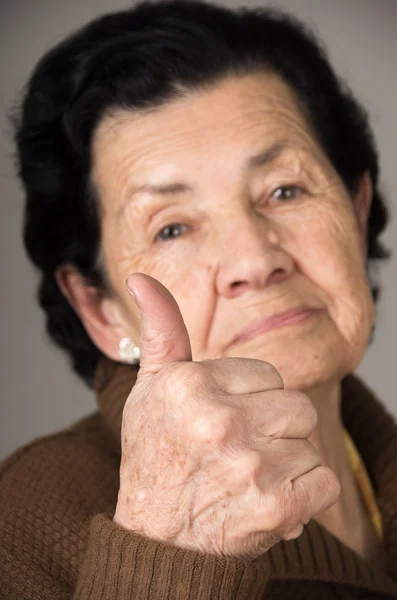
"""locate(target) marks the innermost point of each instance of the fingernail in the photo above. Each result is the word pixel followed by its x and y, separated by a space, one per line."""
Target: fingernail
pixel 131 291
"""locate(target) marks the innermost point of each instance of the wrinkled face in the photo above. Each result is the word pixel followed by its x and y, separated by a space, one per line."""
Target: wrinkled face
pixel 227 199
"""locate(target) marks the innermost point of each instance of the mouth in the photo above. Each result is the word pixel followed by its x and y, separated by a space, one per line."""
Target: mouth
pixel 288 317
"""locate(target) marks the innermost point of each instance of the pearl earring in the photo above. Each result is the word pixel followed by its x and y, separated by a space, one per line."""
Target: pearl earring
pixel 128 351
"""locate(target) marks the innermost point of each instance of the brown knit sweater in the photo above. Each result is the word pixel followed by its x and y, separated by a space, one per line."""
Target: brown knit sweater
pixel 58 540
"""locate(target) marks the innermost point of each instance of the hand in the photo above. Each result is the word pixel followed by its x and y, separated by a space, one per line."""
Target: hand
pixel 215 455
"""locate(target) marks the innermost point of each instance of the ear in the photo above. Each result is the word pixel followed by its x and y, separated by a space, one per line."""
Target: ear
pixel 362 205
pixel 100 315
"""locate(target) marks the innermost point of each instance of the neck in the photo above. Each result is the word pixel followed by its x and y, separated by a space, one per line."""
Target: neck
pixel 347 518
pixel 328 439
pixel 329 442
pixel 328 435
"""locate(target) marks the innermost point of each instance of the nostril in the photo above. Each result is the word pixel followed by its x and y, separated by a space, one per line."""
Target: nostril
pixel 277 275
pixel 236 284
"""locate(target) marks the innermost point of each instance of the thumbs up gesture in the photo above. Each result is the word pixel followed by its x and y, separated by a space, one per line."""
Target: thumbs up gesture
pixel 215 455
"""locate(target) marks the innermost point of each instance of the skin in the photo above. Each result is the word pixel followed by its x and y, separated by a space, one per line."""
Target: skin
pixel 243 252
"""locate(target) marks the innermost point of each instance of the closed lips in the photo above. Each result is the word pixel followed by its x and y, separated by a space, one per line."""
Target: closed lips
pixel 267 323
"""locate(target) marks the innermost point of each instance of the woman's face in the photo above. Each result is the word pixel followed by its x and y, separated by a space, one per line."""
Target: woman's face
pixel 227 199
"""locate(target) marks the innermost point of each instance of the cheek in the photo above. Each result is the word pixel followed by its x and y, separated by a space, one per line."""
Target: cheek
pixel 328 244
pixel 331 256
pixel 173 267
pixel 191 285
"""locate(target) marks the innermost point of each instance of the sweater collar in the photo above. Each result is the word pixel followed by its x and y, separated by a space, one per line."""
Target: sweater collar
pixel 317 554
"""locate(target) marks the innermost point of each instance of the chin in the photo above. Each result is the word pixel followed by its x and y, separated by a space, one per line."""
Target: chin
pixel 312 363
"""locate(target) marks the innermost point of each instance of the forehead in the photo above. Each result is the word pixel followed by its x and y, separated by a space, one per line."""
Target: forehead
pixel 225 122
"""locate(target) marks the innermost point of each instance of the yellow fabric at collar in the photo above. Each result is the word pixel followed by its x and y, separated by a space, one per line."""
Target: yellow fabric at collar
pixel 364 484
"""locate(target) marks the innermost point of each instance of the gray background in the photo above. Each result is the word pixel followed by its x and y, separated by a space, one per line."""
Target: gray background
pixel 38 392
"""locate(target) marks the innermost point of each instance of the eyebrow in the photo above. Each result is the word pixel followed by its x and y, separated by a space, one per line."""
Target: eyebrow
pixel 172 189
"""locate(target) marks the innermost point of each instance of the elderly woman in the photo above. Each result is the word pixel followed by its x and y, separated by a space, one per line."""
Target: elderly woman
pixel 202 199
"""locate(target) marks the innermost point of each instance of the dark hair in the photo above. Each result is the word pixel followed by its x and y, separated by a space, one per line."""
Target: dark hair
pixel 140 58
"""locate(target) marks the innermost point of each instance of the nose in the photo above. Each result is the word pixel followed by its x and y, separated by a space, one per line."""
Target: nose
pixel 251 258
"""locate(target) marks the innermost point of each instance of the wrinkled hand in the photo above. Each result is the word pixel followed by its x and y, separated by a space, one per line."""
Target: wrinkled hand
pixel 215 455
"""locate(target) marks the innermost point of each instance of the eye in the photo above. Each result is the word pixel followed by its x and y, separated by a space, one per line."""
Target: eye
pixel 171 231
pixel 287 192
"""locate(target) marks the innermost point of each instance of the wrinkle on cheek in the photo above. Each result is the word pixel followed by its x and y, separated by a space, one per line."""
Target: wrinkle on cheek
pixel 329 239
pixel 344 232
pixel 190 286
pixel 331 217
pixel 332 258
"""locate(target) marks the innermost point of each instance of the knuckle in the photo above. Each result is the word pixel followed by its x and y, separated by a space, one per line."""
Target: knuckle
pixel 302 500
pixel 183 380
pixel 271 513
pixel 304 406
pixel 332 486
pixel 270 370
pixel 214 427
pixel 248 465
pixel 289 511
pixel 315 498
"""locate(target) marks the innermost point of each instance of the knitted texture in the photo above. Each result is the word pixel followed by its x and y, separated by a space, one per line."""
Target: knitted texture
pixel 58 540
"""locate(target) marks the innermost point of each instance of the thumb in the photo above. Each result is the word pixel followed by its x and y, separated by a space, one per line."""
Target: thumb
pixel 164 337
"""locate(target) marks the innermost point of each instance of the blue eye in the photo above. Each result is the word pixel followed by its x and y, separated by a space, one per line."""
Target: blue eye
pixel 171 231
pixel 287 192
